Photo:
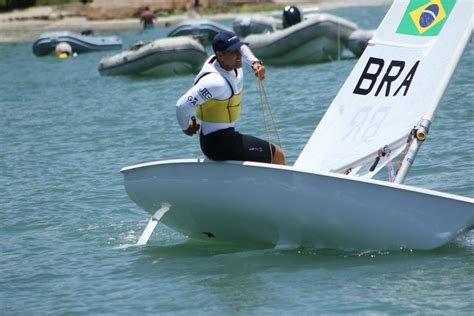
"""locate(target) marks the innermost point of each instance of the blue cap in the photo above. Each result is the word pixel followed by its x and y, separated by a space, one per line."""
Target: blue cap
pixel 226 41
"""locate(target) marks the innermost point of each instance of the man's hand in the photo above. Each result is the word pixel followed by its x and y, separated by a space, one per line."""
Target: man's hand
pixel 193 127
pixel 259 70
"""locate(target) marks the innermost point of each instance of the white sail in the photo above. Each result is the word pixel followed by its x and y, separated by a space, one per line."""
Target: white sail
pixel 398 82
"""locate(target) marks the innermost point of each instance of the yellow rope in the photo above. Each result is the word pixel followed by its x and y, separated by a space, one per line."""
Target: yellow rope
pixel 263 95
pixel 271 114
pixel 265 119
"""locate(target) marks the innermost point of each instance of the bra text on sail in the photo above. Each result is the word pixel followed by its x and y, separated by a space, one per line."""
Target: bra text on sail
pixel 372 74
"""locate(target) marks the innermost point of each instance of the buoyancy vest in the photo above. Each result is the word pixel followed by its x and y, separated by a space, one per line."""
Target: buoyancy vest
pixel 219 111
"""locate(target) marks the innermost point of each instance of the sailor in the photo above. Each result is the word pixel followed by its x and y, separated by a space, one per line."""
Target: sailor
pixel 215 101
pixel 147 17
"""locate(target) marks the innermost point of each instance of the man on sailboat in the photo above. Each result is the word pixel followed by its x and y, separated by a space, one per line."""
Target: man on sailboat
pixel 215 101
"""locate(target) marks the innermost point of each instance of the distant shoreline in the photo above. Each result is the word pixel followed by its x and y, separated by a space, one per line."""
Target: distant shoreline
pixel 26 25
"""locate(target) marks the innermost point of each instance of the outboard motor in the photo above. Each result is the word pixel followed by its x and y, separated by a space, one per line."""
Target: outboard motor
pixel 291 16
pixel 87 32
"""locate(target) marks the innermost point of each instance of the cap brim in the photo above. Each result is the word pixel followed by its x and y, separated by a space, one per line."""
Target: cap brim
pixel 235 46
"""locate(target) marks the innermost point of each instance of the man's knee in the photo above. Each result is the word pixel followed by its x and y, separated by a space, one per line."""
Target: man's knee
pixel 278 156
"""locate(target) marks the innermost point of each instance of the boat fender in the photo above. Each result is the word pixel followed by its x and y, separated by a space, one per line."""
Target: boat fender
pixel 63 50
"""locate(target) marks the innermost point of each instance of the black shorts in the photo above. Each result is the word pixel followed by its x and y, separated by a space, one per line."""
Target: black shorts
pixel 228 144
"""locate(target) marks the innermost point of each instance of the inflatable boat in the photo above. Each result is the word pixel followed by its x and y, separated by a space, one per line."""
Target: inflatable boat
pixel 358 41
pixel 163 57
pixel 202 30
pixel 80 43
pixel 319 38
pixel 256 24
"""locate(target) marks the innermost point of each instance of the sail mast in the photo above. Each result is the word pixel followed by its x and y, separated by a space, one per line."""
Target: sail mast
pixel 416 140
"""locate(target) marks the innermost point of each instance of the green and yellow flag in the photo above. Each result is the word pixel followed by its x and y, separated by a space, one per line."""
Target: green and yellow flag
pixel 425 17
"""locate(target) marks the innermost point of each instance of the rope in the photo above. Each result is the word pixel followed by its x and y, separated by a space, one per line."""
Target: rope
pixel 265 119
pixel 405 150
pixel 262 91
pixel 263 95
pixel 271 114
pixel 390 170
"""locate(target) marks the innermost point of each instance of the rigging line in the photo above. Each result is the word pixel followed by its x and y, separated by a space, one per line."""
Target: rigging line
pixel 390 170
pixel 265 120
pixel 405 150
pixel 270 111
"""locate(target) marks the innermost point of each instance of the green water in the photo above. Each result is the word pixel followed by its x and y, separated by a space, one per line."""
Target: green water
pixel 66 221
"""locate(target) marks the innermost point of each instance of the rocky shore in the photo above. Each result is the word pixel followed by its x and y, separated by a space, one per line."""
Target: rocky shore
pixel 25 25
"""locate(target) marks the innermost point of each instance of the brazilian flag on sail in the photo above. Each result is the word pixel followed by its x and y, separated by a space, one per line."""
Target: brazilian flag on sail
pixel 425 17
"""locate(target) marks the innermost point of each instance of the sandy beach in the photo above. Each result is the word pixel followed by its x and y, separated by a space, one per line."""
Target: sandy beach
pixel 26 25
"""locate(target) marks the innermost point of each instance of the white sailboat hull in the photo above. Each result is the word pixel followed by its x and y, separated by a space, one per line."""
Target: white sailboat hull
pixel 283 206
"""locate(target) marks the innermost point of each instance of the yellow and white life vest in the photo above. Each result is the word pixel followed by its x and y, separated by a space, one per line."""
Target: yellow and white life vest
pixel 219 111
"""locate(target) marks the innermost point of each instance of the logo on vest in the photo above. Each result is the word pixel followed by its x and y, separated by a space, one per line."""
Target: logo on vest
pixel 192 99
pixel 205 94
